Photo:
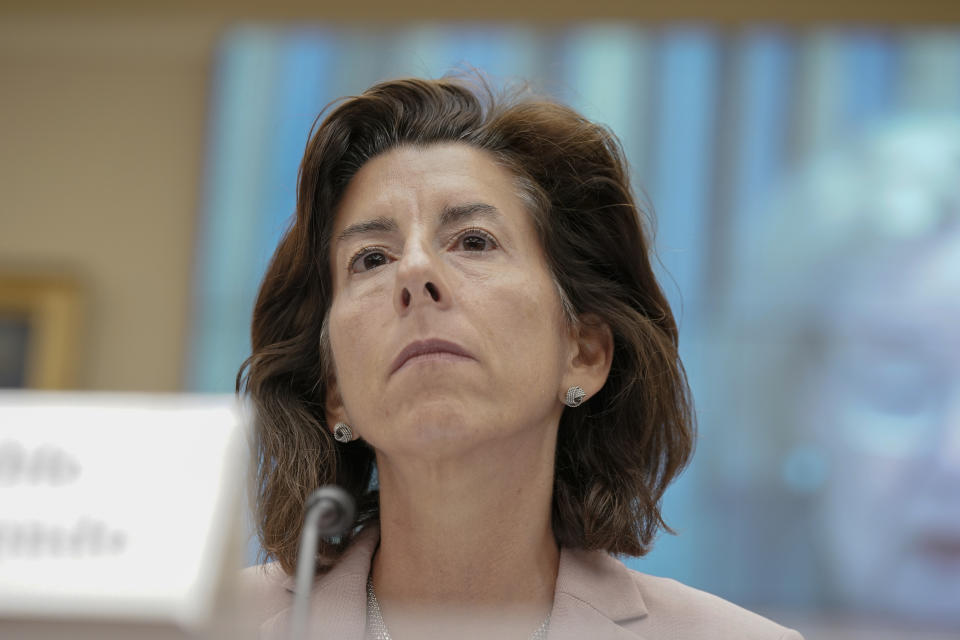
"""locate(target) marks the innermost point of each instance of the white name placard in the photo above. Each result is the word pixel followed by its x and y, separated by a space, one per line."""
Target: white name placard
pixel 118 506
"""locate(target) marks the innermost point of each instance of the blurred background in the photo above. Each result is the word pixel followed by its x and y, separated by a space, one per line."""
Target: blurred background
pixel 802 164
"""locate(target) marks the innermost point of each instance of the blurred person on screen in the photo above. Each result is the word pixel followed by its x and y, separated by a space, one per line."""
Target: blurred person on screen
pixel 841 350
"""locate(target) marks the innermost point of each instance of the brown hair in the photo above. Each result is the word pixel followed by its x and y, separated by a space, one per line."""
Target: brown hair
pixel 617 453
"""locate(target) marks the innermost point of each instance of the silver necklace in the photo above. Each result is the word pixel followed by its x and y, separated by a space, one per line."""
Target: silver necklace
pixel 377 630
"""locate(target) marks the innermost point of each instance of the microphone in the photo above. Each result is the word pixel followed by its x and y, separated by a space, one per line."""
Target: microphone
pixel 329 512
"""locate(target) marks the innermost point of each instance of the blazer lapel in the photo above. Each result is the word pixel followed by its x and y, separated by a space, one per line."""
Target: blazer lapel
pixel 595 596
pixel 338 600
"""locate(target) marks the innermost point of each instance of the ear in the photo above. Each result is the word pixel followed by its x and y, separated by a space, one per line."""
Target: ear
pixel 591 355
pixel 334 410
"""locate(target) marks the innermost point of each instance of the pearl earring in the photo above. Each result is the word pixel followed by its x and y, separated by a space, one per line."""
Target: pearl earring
pixel 575 396
pixel 342 432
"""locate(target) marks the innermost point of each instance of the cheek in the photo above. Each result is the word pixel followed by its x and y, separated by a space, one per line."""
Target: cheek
pixel 352 324
pixel 526 322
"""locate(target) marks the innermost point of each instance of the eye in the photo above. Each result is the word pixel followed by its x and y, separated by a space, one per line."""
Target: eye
pixel 476 240
pixel 367 259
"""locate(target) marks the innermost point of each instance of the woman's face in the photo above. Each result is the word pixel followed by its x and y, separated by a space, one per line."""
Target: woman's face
pixel 434 243
pixel 888 405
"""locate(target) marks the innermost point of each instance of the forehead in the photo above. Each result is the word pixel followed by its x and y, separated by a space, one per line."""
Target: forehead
pixel 408 179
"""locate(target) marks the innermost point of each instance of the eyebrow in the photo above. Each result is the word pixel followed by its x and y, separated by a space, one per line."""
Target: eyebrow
pixel 375 225
pixel 450 215
pixel 457 213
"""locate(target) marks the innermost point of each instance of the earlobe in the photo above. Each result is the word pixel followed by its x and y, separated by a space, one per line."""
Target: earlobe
pixel 334 411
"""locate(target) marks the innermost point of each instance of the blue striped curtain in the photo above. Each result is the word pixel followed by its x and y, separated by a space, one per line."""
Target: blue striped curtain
pixel 710 122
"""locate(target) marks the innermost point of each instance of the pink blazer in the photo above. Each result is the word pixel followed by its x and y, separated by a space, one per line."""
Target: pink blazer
pixel 596 597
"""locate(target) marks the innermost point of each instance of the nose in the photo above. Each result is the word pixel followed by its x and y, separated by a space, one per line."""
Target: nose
pixel 420 280
pixel 949 447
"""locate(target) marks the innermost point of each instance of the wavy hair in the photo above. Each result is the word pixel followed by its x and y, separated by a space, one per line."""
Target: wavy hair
pixel 616 454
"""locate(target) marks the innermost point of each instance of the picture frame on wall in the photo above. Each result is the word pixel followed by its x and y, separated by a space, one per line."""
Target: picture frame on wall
pixel 39 331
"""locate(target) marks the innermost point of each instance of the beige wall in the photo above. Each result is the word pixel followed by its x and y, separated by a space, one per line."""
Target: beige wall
pixel 102 129
pixel 102 116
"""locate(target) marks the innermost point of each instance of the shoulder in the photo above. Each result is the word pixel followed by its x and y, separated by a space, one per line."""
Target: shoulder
pixel 675 610
pixel 267 577
pixel 263 590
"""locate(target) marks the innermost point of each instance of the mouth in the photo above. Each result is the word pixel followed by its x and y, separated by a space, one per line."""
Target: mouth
pixel 434 349
pixel 945 548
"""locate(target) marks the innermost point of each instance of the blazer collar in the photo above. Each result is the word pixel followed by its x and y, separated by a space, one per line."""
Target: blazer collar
pixel 594 594
pixel 338 600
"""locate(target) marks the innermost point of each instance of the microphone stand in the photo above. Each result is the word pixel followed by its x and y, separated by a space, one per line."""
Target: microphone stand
pixel 330 512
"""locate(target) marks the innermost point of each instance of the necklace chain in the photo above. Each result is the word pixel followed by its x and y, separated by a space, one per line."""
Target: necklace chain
pixel 377 630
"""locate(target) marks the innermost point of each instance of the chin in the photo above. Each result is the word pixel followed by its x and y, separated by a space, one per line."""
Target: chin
pixel 437 430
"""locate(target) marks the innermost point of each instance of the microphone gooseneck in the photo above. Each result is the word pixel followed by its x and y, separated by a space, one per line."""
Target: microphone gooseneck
pixel 329 511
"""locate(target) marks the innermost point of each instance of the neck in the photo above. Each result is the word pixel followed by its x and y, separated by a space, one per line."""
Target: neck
pixel 463 538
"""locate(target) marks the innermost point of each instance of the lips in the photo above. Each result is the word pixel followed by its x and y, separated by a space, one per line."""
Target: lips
pixel 940 545
pixel 423 347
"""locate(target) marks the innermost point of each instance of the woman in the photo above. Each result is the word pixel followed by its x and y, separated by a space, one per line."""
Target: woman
pixel 464 317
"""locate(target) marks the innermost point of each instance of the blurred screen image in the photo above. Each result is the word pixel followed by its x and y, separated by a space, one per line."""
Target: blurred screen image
pixel 840 347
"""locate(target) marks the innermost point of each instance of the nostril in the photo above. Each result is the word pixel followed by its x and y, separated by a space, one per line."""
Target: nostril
pixel 432 289
pixel 405 296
